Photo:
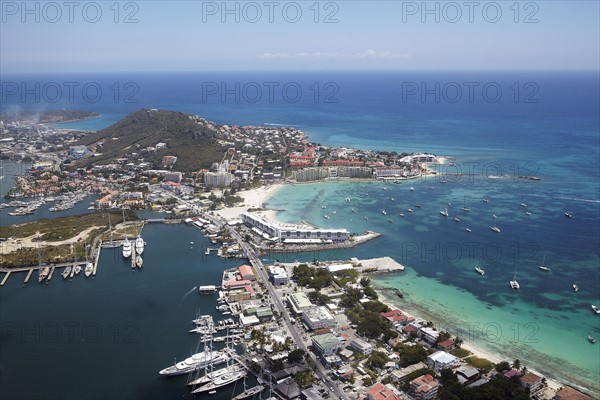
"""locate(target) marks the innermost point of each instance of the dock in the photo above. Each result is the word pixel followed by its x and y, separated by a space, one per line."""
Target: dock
pixel 28 276
pixel 97 258
pixel 51 273
pixel 5 278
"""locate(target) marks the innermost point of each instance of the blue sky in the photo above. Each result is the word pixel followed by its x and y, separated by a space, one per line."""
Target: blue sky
pixel 200 35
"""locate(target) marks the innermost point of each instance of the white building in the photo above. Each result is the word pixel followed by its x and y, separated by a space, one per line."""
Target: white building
pixel 217 179
pixel 361 346
pixel 279 275
pixel 284 233
pixel 441 360
pixel 318 317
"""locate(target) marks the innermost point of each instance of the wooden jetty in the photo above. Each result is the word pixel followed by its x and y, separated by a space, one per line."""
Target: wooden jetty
pixel 5 278
pixel 28 276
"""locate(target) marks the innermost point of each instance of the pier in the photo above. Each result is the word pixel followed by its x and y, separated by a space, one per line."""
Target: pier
pixel 51 273
pixel 6 278
pixel 28 276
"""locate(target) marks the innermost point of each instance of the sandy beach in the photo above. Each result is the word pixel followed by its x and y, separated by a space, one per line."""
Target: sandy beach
pixel 253 198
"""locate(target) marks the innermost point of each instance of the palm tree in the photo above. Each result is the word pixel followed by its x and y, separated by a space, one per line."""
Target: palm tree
pixel 516 364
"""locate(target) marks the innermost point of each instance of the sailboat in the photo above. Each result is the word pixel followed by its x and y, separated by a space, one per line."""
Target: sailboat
pixel 575 287
pixel 514 284
pixel 464 207
pixel 445 212
pixel 234 372
pixel 543 266
pixel 495 228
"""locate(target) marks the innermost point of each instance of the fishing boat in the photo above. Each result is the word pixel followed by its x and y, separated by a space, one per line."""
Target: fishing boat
pixel 444 212
pixel 480 270
pixel 596 309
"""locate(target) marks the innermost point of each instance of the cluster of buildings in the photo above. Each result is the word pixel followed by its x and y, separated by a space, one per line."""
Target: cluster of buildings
pixel 293 234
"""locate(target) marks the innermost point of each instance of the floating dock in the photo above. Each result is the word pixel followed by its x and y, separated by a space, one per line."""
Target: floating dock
pixel 28 276
pixel 5 278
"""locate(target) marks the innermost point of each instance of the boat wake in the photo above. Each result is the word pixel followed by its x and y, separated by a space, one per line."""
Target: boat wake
pixel 190 292
pixel 272 124
pixel 569 198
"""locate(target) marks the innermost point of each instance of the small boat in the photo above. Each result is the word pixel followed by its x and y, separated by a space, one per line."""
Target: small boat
pixel 326 216
pixel 347 199
pixel 354 210
pixel 192 243
pixel 486 200
pixel 514 284
pixel 249 392
pixel 323 207
pixel 412 189
pixel 468 229
pixel 390 220
pixel 402 215
pixel 383 212
pixel 139 262
pixel 464 207
pixel 575 287
pixel 66 272
pixel 543 265
pixel 409 210
pixel 527 213
pixel 596 309
pixel 334 212
pixel 480 270
pixel 392 199
pixel 591 339
pixel 366 218
pixel 457 219
pixel 524 205
pixel 445 212
pixel 77 269
pixel 449 204
pixel 495 228
pixel 568 215
pixel 418 205
pixel 89 268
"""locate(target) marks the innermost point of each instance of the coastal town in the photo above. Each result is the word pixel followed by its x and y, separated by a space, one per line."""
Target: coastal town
pixel 310 330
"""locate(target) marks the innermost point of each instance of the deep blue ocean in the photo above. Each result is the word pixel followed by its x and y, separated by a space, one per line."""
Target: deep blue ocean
pixel 495 126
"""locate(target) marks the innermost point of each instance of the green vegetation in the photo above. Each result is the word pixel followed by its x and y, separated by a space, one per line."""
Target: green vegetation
pixel 194 145
pixel 305 379
pixel 415 374
pixel 481 364
pixel 370 324
pixel 315 278
pixel 296 355
pixel 377 360
pixel 318 298
pixel 460 353
pixel 498 388
pixel 410 355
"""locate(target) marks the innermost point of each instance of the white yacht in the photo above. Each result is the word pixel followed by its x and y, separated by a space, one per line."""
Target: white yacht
pixel 480 270
pixel 89 268
pixel 209 376
pixel 514 284
pixel 412 189
pixel 77 269
pixel 195 362
pixel 468 229
pixel 139 245
pixel 457 219
pixel 126 248
pixel 66 272
pixel 234 374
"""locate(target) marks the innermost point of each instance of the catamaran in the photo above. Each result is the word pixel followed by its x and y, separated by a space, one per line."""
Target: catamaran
pixel 514 284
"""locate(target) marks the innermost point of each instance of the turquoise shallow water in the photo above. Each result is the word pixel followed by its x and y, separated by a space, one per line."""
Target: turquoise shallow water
pixel 544 324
